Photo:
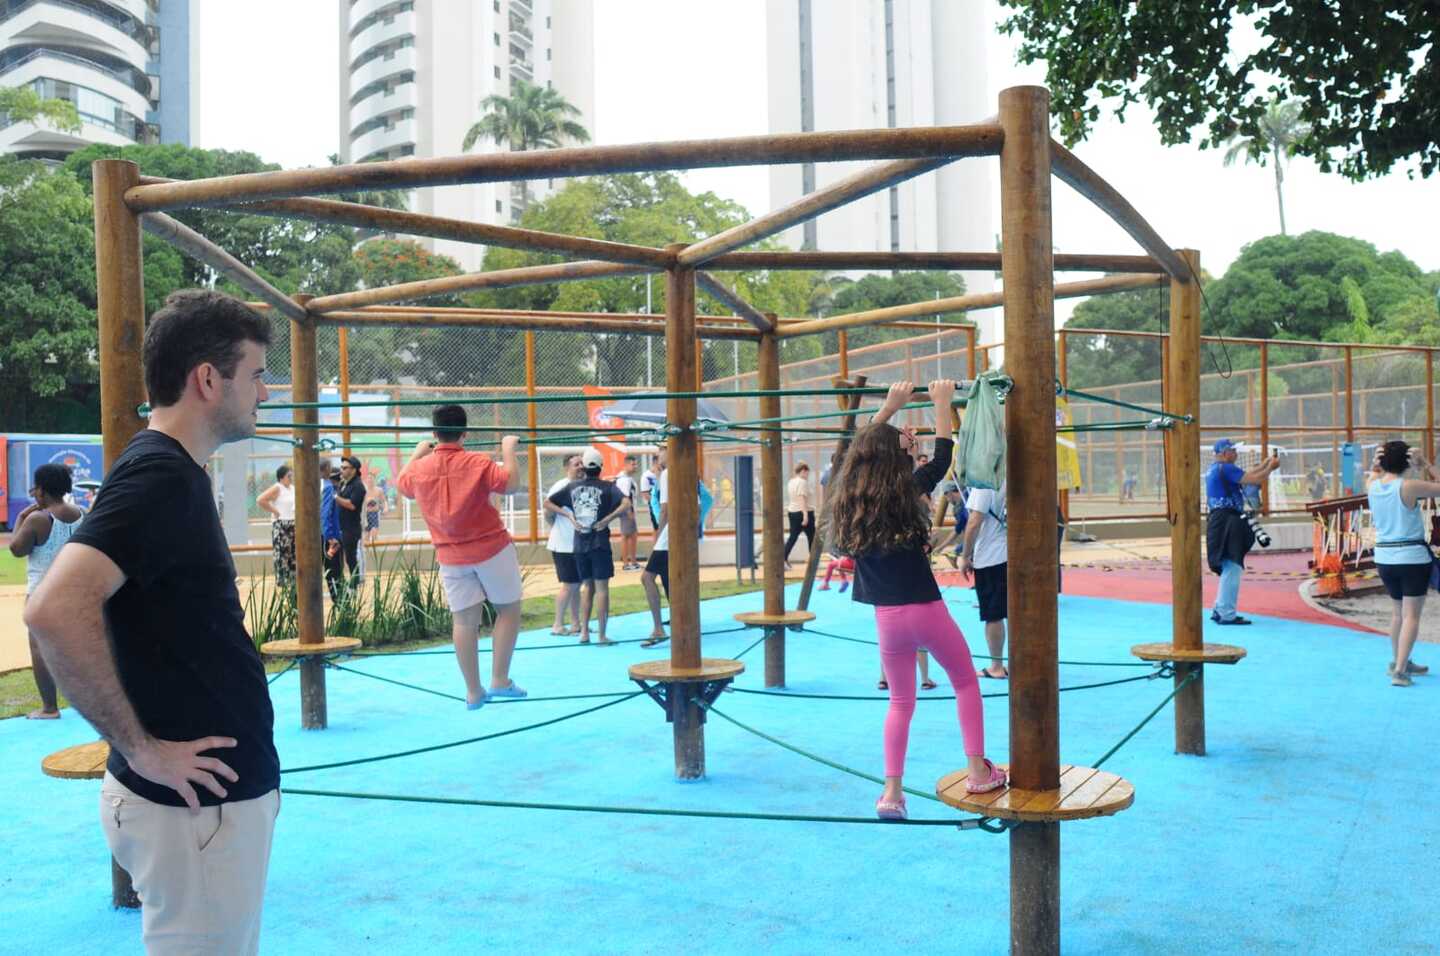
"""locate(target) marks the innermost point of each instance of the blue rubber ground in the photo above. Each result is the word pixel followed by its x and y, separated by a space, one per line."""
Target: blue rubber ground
pixel 1311 827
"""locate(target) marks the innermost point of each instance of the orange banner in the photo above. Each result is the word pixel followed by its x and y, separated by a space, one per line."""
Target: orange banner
pixel 612 450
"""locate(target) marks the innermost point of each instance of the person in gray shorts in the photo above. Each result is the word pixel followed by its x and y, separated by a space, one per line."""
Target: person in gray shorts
pixel 629 530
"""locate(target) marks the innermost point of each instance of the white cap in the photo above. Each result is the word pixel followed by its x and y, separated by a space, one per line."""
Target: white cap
pixel 591 459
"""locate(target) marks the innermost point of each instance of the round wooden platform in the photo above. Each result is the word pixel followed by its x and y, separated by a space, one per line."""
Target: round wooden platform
pixel 1084 792
pixel 81 762
pixel 293 647
pixel 662 672
pixel 761 619
pixel 1206 654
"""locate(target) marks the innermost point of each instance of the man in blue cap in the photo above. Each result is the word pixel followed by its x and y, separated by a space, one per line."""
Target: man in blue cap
pixel 1228 536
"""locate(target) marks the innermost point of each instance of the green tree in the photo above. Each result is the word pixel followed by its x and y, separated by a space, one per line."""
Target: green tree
pixel 879 291
pixel 533 117
pixel 1366 75
pixel 1281 129
pixel 47 296
pixel 653 210
pixel 22 104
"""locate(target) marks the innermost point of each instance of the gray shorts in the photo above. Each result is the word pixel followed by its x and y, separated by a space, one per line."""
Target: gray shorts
pixel 627 523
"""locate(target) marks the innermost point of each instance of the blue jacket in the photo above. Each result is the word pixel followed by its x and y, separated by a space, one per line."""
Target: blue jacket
pixel 329 514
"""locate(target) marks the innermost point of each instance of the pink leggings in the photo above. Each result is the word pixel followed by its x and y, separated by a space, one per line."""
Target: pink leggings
pixel 905 629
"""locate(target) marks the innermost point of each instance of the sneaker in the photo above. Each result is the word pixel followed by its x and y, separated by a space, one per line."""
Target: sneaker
pixel 514 691
pixel 1410 668
pixel 1401 680
pixel 1234 621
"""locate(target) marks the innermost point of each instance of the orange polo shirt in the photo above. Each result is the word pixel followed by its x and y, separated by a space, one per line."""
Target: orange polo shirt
pixel 453 487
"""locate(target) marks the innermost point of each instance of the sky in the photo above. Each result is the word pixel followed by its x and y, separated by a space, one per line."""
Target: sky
pixel 683 69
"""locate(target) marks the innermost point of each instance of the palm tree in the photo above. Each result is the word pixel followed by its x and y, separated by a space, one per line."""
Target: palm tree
pixel 1281 128
pixel 534 116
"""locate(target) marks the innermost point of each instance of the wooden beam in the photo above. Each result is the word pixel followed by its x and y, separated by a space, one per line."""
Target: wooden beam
pixel 436 227
pixel 948 261
pixel 119 306
pixel 499 279
pixel 961 303
pixel 536 322
pixel 808 207
pixel 1030 502
pixel 741 308
pixel 850 145
pixel 199 248
pixel 1088 183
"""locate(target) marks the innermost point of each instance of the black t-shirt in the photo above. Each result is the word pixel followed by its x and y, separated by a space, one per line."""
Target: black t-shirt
pixel 354 492
pixel 590 499
pixel 176 625
pixel 903 576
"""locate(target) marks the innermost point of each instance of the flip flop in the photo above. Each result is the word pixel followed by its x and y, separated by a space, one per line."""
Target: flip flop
pixel 985 672
pixel 928 685
pixel 652 641
pixel 42 715
pixel 605 640
pixel 998 778
pixel 881 684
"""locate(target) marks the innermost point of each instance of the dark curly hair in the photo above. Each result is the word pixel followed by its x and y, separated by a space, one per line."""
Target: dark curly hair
pixel 1395 457
pixel 876 506
pixel 196 327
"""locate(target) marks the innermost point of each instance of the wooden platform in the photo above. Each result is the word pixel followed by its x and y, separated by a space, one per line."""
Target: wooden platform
pixel 761 619
pixel 1206 654
pixel 1084 792
pixel 81 762
pixel 293 647
pixel 662 672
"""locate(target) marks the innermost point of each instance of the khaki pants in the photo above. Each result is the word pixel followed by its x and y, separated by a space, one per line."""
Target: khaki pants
pixel 200 877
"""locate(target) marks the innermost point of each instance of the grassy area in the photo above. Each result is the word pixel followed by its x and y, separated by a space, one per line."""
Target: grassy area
pixel 12 569
pixel 17 688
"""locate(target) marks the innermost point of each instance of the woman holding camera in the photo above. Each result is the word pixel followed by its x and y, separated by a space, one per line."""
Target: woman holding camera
pixel 1402 550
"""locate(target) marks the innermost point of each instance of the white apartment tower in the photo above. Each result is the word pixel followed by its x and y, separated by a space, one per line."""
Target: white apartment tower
pixel 129 66
pixel 413 73
pixel 862 64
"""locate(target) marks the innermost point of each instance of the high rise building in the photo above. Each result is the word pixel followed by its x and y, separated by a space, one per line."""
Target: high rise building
pixel 862 64
pixel 129 66
pixel 413 73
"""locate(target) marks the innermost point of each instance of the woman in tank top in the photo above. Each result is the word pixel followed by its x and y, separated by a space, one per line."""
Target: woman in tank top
pixel 279 500
pixel 1402 550
pixel 41 530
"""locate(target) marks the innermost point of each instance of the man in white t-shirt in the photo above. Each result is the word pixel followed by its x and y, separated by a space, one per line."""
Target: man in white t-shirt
pixel 562 551
pixel 658 564
pixel 649 497
pixel 985 553
pixel 629 530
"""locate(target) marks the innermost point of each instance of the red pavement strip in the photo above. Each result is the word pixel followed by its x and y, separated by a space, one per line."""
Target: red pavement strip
pixel 1277 596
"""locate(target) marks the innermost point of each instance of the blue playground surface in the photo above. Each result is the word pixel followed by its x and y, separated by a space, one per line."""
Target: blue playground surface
pixel 1310 827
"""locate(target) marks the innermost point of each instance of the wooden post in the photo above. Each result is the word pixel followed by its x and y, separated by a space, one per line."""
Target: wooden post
pixel 772 509
pixel 533 464
pixel 120 309
pixel 309 541
pixel 1265 421
pixel 119 305
pixel 1185 573
pixel 970 352
pixel 683 511
pixel 1026 263
pixel 822 515
pixel 344 336
pixel 844 337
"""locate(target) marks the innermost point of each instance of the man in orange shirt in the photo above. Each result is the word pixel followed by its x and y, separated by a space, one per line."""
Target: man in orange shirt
pixel 476 554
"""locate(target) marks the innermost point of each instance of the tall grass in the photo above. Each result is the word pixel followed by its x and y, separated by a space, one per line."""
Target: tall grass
pixel 398 602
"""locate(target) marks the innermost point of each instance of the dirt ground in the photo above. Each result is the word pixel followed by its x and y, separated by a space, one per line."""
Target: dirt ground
pixel 1373 609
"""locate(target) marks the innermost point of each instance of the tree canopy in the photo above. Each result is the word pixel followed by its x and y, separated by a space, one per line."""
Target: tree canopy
pixel 1366 74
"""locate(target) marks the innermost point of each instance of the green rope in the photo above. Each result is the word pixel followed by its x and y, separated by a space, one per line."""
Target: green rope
pixel 758 641
pixel 638 811
pixel 1148 425
pixel 861 640
pixel 1092 397
pixel 283 671
pixel 292 442
pixel 533 647
pixel 993 694
pixel 517 429
pixel 710 708
pixel 706 426
pixel 498 700
pixel 460 743
pixel 1126 739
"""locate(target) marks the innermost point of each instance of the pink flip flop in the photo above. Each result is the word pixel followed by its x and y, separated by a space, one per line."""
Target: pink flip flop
pixel 998 778
pixel 890 809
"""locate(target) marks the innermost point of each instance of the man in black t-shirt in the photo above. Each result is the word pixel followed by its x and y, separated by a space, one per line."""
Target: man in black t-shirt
pixel 177 688
pixel 350 506
pixel 592 503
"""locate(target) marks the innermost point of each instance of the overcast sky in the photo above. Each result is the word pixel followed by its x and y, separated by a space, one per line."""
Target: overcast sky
pixel 680 69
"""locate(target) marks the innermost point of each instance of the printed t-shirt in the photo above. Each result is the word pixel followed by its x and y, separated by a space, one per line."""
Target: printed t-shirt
pixel 1222 486
pixel 589 499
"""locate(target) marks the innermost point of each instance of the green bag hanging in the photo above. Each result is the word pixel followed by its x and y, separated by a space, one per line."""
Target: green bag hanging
pixel 980 452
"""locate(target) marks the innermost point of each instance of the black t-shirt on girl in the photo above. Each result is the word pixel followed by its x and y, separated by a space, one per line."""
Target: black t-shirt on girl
pixel 903 576
pixel 177 628
pixel 354 492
